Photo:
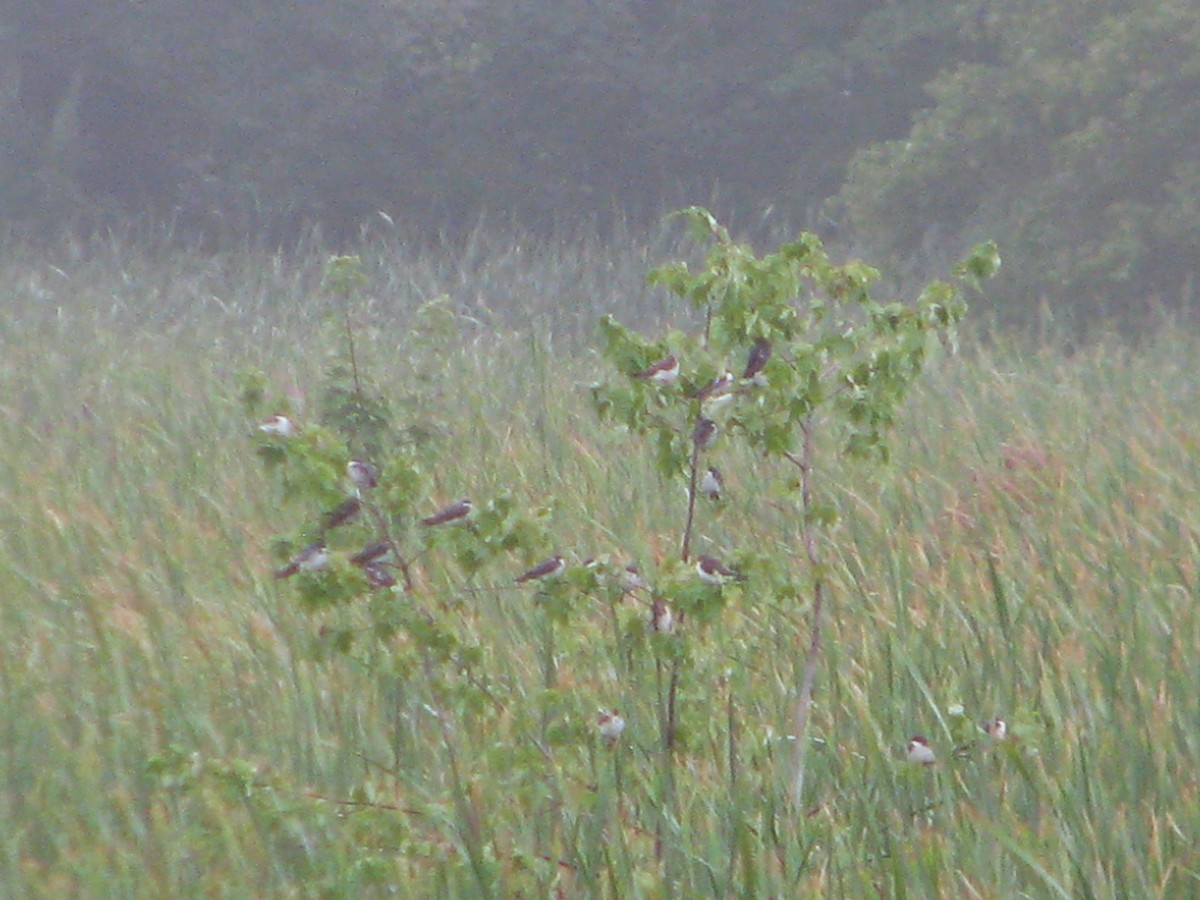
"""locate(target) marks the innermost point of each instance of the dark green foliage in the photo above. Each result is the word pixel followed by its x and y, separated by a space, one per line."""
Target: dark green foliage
pixel 1074 144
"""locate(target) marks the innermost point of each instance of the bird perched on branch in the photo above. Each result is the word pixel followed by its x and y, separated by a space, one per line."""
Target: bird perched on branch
pixel 712 571
pixel 312 558
pixel 664 371
pixel 550 568
pixel 455 512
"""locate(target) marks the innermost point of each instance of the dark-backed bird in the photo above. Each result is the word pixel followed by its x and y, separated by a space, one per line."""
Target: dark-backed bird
pixel 664 371
pixel 452 513
pixel 712 571
pixel 550 568
pixel 312 558
pixel 661 619
pixel 704 433
pixel 344 512
pixel 372 553
pixel 920 752
pixel 711 483
pixel 362 474
pixel 715 389
pixel 277 426
pixel 760 354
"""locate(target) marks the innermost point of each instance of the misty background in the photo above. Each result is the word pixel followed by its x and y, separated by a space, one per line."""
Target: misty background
pixel 1066 130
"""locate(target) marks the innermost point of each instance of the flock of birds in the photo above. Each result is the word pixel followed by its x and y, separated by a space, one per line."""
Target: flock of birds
pixel 372 560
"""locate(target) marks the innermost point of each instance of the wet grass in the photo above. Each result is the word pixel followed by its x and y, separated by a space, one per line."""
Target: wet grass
pixel 1031 552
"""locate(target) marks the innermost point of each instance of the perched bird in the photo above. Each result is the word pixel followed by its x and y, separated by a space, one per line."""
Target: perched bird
pixel 996 729
pixel 611 725
pixel 712 571
pixel 711 483
pixel 379 576
pixel 760 354
pixel 550 568
pixel 661 619
pixel 704 433
pixel 920 752
pixel 665 371
pixel 362 474
pixel 631 578
pixel 452 513
pixel 278 426
pixel 715 389
pixel 312 558
pixel 344 512
pixel 371 554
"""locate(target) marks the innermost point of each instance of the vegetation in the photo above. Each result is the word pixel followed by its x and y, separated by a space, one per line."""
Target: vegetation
pixel 175 722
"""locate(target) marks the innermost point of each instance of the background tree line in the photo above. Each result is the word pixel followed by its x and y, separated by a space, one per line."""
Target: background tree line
pixel 1065 129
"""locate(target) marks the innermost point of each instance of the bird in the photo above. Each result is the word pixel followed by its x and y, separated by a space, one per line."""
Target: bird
pixel 278 426
pixel 665 371
pixel 715 389
pixel 920 752
pixel 712 571
pixel 371 554
pixel 704 433
pixel 661 619
pixel 312 558
pixel 344 512
pixel 362 474
pixel 379 576
pixel 760 354
pixel 611 725
pixel 996 729
pixel 550 568
pixel 452 513
pixel 711 483
pixel 631 578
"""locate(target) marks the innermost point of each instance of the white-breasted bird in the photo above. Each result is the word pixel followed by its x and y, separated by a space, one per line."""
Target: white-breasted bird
pixel 611 725
pixel 665 371
pixel 550 568
pixel 661 619
pixel 996 729
pixel 363 474
pixel 711 483
pixel 920 752
pixel 312 558
pixel 712 571
pixel 278 426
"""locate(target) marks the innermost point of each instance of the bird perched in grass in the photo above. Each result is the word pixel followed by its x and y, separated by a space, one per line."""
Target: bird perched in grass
pixel 550 568
pixel 611 725
pixel 920 752
pixel 455 512
pixel 665 371
pixel 996 729
pixel 312 558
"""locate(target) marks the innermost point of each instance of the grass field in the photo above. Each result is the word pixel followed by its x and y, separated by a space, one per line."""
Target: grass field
pixel 168 729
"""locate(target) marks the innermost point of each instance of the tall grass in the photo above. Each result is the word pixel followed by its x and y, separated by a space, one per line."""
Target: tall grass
pixel 168 730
